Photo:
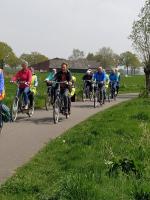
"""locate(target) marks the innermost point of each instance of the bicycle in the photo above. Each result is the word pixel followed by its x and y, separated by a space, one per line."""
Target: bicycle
pixel 48 98
pixel 113 92
pixel 18 105
pixel 87 93
pixel 99 96
pixel 58 106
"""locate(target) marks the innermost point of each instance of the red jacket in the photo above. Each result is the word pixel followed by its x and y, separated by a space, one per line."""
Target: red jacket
pixel 23 75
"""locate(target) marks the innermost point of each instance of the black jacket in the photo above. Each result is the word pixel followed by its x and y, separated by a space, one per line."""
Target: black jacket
pixel 58 76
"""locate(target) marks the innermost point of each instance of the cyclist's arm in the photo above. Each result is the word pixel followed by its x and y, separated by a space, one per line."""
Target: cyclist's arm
pixel 29 79
pixel 16 77
pixel 36 82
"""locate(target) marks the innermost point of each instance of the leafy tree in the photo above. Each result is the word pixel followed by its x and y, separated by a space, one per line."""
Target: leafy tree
pixel 106 57
pixel 33 58
pixel 77 54
pixel 129 60
pixel 90 56
pixel 7 55
pixel 140 37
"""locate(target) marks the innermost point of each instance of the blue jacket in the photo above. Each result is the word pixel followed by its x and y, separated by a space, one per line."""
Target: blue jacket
pixel 99 76
pixel 1 81
pixel 113 77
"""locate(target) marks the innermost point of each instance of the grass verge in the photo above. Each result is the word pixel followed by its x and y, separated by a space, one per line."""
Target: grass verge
pixel 105 157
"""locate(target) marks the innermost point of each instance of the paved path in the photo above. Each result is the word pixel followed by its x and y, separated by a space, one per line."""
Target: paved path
pixel 19 141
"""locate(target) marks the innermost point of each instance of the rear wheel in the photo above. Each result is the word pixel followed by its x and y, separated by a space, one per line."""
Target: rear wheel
pixel 31 110
pixel 14 109
pixel 95 99
pixel 56 111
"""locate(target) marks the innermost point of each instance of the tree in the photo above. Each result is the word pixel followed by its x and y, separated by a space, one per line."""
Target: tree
pixel 90 56
pixel 129 60
pixel 140 37
pixel 106 57
pixel 7 55
pixel 76 55
pixel 33 58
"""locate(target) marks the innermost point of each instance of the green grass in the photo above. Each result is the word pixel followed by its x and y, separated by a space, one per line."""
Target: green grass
pixel 105 157
pixel 128 84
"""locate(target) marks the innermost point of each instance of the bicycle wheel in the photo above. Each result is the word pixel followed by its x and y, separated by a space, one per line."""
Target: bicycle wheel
pixel 48 102
pixel 83 95
pixel 56 111
pixel 95 99
pixel 14 109
pixel 31 109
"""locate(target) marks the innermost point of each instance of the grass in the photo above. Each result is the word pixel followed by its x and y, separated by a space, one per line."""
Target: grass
pixel 105 157
pixel 128 84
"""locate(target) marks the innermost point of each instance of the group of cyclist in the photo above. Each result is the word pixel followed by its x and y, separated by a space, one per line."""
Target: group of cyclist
pixel 103 80
pixel 28 82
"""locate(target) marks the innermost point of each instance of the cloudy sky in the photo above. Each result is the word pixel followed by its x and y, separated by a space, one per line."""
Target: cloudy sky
pixel 55 27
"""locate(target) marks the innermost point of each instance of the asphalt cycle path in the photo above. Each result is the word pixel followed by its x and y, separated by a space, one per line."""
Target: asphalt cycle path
pixel 21 140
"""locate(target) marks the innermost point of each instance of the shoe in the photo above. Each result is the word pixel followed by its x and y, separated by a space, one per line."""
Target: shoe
pixel 26 107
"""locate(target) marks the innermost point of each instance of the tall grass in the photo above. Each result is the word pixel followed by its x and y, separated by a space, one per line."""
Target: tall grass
pixel 105 157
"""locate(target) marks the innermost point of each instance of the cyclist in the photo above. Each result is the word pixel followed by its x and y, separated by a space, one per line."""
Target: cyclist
pixel 106 83
pixel 64 76
pixel 88 79
pixel 24 76
pixel 2 90
pixel 49 83
pixel 50 77
pixel 99 78
pixel 33 86
pixel 118 80
pixel 113 80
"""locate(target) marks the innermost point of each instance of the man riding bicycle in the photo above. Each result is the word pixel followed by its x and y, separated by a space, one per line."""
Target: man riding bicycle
pixel 99 78
pixel 113 81
pixel 64 76
pixel 24 77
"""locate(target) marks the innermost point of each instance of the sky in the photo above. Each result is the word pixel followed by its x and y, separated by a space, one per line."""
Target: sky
pixel 55 27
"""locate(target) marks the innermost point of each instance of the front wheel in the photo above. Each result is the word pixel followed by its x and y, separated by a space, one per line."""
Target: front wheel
pixel 31 110
pixel 14 109
pixel 95 100
pixel 56 111
pixel 48 102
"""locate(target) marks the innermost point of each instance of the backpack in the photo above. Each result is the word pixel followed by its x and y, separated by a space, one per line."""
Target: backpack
pixel 6 114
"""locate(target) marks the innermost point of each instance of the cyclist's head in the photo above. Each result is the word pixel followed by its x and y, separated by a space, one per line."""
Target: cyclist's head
pixel 113 71
pixel 64 67
pixel 54 71
pixel 32 70
pixel 116 70
pixel 24 64
pixel 100 69
pixel 88 72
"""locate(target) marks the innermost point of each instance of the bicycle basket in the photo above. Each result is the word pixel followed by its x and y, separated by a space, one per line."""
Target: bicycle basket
pixel 6 114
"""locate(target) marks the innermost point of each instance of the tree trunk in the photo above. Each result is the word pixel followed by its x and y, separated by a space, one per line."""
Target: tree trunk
pixel 147 79
pixel 127 69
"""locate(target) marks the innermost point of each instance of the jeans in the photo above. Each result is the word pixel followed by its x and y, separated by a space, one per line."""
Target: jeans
pixel 65 94
pixel 25 92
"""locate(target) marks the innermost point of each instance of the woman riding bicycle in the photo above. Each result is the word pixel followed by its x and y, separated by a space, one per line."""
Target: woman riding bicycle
pixel 24 78
pixel 64 76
